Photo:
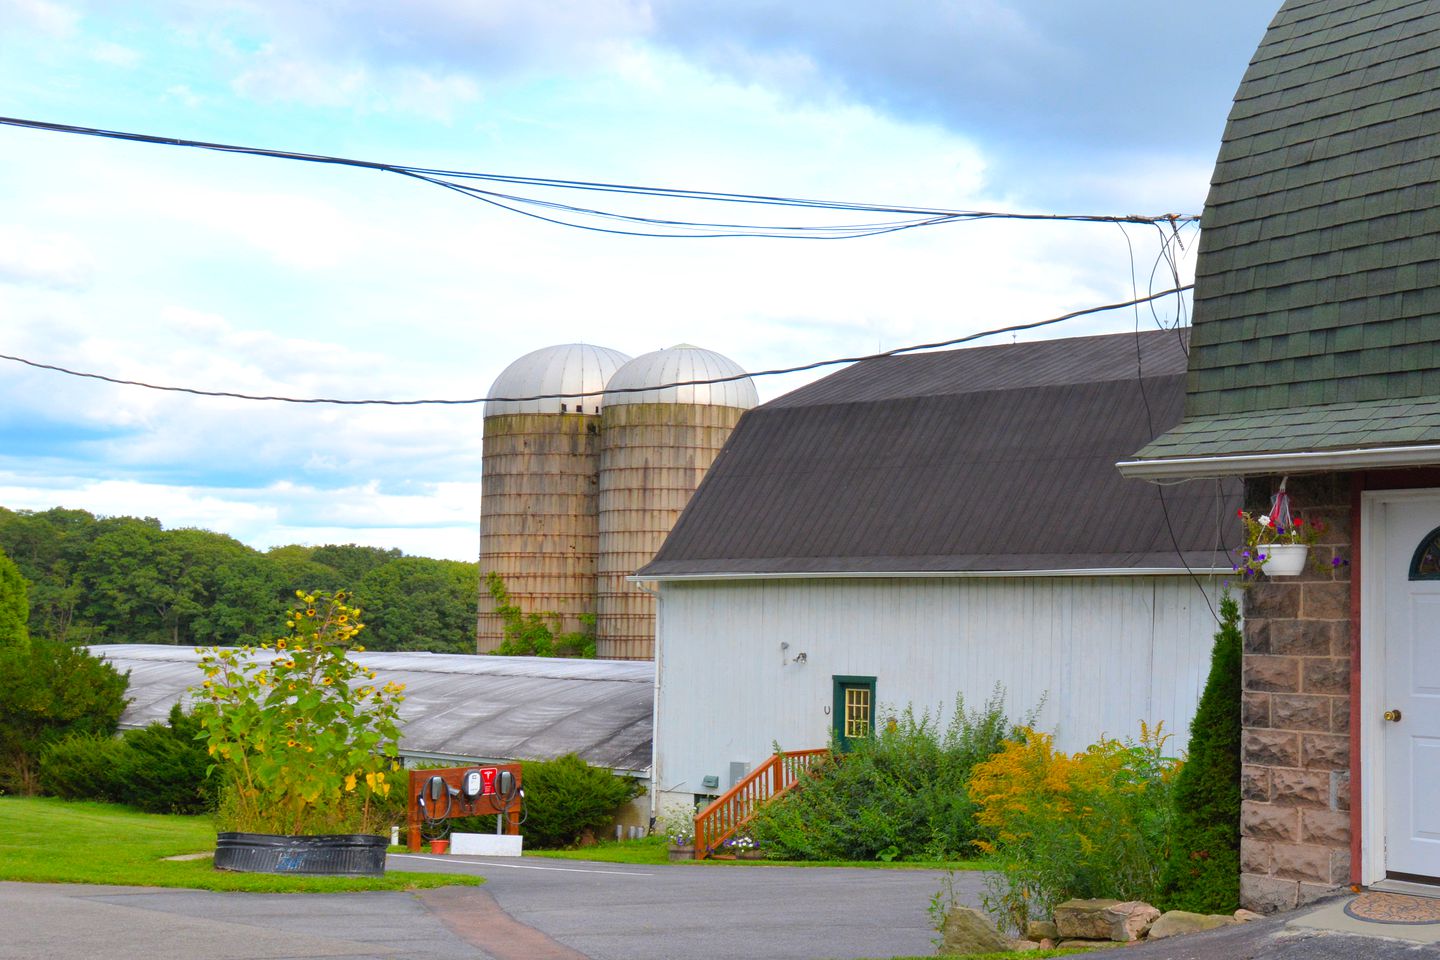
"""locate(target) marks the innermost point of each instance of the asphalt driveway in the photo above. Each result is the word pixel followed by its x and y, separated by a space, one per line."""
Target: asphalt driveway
pixel 534 909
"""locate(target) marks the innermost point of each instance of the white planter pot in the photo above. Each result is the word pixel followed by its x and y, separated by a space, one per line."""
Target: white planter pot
pixel 1285 559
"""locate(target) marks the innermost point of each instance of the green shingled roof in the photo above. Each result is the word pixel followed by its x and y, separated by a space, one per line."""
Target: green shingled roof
pixel 1317 292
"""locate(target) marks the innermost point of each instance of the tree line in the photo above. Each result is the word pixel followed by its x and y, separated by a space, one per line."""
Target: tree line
pixel 129 580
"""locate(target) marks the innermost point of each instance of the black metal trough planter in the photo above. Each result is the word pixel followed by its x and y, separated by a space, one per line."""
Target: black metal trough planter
pixel 339 855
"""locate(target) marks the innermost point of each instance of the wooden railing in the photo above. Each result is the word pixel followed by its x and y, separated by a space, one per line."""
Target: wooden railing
pixel 733 809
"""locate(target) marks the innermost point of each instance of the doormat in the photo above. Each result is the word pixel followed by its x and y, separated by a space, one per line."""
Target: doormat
pixel 1376 907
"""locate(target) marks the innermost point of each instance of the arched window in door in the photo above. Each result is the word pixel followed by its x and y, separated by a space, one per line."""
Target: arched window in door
pixel 1426 563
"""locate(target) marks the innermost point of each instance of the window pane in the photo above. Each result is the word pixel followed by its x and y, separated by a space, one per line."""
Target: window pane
pixel 857 712
pixel 1426 564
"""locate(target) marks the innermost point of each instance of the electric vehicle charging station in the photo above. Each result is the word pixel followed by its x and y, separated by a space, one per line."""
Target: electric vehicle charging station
pixel 436 796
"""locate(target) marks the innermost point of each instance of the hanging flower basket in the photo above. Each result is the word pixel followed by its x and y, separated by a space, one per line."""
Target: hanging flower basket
pixel 1277 543
pixel 1285 559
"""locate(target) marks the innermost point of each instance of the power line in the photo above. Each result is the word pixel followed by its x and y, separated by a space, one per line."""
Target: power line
pixel 562 396
pixel 552 211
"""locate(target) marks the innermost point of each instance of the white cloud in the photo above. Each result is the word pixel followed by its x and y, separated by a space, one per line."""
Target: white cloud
pixel 116 55
pixel 52 19
pixel 30 256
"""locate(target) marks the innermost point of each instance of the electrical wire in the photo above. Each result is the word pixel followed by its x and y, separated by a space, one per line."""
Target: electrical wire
pixel 555 212
pixel 778 371
pixel 1150 425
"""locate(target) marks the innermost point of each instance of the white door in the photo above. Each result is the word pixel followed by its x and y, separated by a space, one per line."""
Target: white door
pixel 1410 568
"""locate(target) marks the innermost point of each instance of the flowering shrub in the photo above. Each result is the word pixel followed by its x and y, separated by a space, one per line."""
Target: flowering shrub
pixel 740 843
pixel 678 824
pixel 1090 824
pixel 303 737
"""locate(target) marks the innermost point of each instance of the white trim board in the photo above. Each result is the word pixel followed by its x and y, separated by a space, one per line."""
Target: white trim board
pixel 936 574
pixel 1309 461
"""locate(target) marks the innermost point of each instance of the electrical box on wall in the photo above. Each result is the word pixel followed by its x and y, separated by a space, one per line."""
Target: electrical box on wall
pixel 710 782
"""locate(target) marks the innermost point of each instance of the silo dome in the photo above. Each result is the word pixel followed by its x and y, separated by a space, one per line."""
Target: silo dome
pixel 678 364
pixel 579 370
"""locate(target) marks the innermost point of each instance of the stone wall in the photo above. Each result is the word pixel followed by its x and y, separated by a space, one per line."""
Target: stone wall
pixel 1295 779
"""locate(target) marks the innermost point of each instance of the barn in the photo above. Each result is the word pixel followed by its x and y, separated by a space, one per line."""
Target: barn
pixel 916 527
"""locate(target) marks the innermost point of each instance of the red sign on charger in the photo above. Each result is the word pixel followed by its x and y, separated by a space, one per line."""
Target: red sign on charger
pixel 487 781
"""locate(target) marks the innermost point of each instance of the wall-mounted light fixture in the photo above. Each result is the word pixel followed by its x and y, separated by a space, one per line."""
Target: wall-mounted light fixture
pixel 800 657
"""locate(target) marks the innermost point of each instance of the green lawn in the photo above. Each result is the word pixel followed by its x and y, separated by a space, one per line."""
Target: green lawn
pixel 652 850
pixel 57 841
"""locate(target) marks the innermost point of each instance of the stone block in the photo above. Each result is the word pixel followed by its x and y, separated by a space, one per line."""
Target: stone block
pixel 1340 789
pixel 1272 674
pixel 1266 821
pixel 1271 600
pixel 1310 892
pixel 1295 861
pixel 1254 856
pixel 1300 788
pixel 1290 711
pixel 1268 894
pixel 1084 919
pixel 1041 930
pixel 1340 867
pixel 1257 636
pixel 1326 675
pixel 1324 751
pixel 1300 638
pixel 1271 748
pixel 1328 828
pixel 1339 714
pixel 1339 631
pixel 1325 601
pixel 1254 710
pixel 1131 920
pixel 1255 783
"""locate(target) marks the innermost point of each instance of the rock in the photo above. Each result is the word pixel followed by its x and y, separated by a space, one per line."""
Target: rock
pixel 1245 916
pixel 1083 919
pixel 1047 944
pixel 1018 945
pixel 1177 922
pixel 1086 944
pixel 1041 930
pixel 969 931
pixel 1131 920
pixel 1122 921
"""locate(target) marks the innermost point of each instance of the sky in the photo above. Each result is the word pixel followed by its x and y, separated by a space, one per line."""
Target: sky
pixel 265 276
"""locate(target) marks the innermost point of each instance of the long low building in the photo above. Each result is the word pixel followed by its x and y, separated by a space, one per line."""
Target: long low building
pixel 461 708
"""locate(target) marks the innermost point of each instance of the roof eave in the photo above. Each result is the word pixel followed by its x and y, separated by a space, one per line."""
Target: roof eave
pixel 1308 461
pixel 929 574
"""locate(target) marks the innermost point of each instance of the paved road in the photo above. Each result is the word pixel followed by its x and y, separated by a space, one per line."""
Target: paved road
pixel 564 910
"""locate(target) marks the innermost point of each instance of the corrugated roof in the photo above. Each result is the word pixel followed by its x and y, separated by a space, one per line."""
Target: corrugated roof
pixel 988 459
pixel 1318 277
pixel 474 707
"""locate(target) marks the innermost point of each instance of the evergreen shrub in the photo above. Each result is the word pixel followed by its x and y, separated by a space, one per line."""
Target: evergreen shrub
pixel 1203 873
pixel 51 691
pixel 566 796
pixel 83 766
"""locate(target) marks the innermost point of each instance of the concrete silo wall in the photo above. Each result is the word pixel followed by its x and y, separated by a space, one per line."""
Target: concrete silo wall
pixel 652 457
pixel 538 524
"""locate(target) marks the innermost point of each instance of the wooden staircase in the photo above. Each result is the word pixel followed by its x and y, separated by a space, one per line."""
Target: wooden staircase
pixel 732 810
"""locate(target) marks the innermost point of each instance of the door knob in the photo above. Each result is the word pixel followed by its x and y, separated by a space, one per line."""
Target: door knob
pixel 1392 715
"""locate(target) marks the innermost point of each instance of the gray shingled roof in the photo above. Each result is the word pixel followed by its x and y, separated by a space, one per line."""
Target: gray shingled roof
pixel 994 459
pixel 1317 290
pixel 461 707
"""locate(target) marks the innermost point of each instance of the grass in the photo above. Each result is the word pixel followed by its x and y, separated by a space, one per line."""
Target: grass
pixel 653 850
pixel 43 840
pixel 1019 955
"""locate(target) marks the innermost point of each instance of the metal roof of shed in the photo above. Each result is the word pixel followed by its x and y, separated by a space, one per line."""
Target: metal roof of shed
pixel 986 460
pixel 460 706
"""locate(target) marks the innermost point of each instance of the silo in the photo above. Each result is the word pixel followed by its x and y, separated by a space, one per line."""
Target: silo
pixel 655 446
pixel 539 480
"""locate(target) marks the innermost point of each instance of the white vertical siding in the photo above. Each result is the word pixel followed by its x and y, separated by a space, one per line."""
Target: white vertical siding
pixel 1103 652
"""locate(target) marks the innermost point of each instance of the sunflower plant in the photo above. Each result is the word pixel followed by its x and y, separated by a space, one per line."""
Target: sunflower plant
pixel 303 737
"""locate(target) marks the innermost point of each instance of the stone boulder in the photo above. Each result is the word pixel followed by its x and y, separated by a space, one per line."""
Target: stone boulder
pixel 1178 922
pixel 1041 930
pixel 969 931
pixel 1121 921
pixel 1245 916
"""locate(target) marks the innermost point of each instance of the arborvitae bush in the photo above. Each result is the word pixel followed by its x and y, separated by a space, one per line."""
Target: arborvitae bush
pixel 160 769
pixel 1203 873
pixel 897 795
pixel 566 796
pixel 83 767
